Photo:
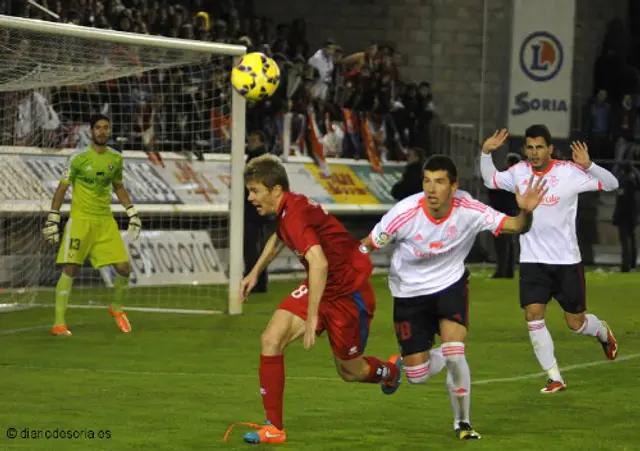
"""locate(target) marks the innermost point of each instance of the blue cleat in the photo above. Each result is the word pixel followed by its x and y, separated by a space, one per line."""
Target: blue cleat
pixel 390 387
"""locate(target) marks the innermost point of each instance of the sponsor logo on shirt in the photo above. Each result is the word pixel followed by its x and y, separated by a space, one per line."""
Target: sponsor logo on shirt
pixel 550 200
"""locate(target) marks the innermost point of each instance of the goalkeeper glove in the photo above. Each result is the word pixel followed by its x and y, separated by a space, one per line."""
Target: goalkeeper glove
pixel 51 230
pixel 135 225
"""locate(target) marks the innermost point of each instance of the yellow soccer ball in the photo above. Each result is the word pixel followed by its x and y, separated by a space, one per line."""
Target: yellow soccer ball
pixel 255 76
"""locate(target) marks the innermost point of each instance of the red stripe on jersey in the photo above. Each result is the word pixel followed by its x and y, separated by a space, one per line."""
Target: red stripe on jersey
pixel 472 205
pixel 495 182
pixel 599 185
pixel 500 226
pixel 401 220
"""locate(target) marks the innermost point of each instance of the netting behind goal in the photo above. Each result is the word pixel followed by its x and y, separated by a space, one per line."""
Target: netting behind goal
pixel 170 105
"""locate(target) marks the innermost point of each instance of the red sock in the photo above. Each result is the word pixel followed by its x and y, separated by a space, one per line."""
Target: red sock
pixel 380 371
pixel 272 387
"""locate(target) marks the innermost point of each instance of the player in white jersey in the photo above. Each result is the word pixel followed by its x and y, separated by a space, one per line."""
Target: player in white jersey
pixel 550 262
pixel 434 232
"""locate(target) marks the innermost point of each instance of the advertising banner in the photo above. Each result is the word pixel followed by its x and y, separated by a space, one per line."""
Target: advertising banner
pixel 179 257
pixel 28 183
pixel 343 185
pixel 541 65
pixel 379 184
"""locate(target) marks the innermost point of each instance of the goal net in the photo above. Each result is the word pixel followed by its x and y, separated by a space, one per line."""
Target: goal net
pixel 180 128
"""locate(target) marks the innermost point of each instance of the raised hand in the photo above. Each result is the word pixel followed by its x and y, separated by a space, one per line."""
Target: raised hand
pixel 580 154
pixel 495 141
pixel 531 197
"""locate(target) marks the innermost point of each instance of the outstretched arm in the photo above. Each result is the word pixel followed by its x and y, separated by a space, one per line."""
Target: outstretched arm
pixel 606 180
pixel 527 202
pixel 491 177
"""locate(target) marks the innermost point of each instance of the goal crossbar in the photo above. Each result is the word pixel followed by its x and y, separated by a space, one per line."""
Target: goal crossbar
pixel 119 37
pixel 238 105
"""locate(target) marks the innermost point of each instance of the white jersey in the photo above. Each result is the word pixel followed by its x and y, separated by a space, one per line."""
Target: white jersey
pixel 552 238
pixel 429 254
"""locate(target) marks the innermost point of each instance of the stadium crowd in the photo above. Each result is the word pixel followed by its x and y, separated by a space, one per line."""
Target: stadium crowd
pixel 341 105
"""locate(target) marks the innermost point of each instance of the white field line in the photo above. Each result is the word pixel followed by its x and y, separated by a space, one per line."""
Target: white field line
pixel 304 378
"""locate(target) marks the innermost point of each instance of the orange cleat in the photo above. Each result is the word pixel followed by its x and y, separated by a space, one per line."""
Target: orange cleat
pixel 121 320
pixel 390 387
pixel 553 387
pixel 265 434
pixel 61 329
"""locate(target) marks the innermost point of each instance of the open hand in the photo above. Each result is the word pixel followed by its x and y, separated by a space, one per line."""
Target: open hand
pixel 580 154
pixel 531 197
pixel 495 141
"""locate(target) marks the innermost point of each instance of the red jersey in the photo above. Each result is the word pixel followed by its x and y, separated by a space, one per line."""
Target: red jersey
pixel 302 223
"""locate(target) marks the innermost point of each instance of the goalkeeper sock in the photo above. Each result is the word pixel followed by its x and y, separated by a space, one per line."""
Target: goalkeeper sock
pixel 120 286
pixel 63 290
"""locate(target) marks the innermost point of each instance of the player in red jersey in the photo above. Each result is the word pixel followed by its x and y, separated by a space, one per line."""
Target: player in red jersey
pixel 337 295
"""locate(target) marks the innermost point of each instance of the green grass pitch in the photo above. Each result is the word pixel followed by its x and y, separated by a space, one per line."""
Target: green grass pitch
pixel 178 381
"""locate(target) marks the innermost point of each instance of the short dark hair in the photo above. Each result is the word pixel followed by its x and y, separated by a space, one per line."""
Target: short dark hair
pixel 418 151
pixel 96 118
pixel 538 131
pixel 260 134
pixel 442 163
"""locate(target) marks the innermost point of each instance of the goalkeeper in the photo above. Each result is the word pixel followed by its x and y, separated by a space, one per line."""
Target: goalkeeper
pixel 91 230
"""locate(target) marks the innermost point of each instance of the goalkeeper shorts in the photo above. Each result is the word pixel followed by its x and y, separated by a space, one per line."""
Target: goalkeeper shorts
pixel 99 239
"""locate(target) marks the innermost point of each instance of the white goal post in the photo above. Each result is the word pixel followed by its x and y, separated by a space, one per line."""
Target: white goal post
pixel 150 53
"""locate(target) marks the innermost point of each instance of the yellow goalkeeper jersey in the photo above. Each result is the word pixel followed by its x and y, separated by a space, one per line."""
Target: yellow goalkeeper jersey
pixel 92 175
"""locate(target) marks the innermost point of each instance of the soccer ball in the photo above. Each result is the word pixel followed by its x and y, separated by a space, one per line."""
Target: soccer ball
pixel 255 76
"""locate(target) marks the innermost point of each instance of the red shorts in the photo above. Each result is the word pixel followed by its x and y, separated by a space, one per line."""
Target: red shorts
pixel 346 319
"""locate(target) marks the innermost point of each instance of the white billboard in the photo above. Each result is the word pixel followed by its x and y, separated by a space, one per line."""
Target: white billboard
pixel 541 66
pixel 172 257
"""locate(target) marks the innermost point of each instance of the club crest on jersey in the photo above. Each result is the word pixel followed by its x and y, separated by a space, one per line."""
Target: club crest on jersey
pixel 451 232
pixel 553 181
pixel 381 239
pixel 110 166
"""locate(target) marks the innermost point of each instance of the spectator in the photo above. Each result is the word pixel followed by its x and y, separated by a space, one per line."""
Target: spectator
pixel 322 61
pixel 625 215
pixel 180 108
pixel 505 244
pixel 411 181
pixel 623 122
pixel 599 126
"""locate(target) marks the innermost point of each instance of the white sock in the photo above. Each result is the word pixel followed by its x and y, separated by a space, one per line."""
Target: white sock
pixel 458 380
pixel 419 374
pixel 455 401
pixel 543 348
pixel 437 361
pixel 593 327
